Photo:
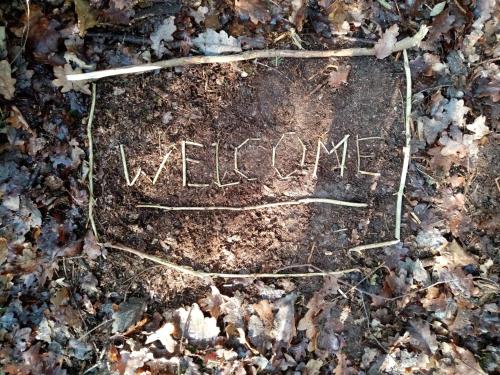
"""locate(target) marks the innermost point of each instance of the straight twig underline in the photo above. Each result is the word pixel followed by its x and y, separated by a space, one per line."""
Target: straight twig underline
pixel 257 207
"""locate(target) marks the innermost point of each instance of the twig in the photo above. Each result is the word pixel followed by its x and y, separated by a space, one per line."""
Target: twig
pixel 95 328
pixel 162 164
pixel 217 169
pixel 124 163
pixel 202 274
pixel 406 149
pixel 374 174
pixel 91 162
pixel 359 248
pixel 407 43
pixel 26 28
pixel 256 207
pixel 122 38
pixel 392 299
pixel 125 169
pixel 368 323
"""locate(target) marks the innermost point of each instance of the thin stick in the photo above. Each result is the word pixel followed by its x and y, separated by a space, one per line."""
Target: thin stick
pixel 406 149
pixel 368 325
pixel 407 43
pixel 124 163
pixel 162 164
pixel 360 248
pixel 91 163
pixel 202 274
pixel 95 328
pixel 184 163
pixel 257 207
pixel 26 33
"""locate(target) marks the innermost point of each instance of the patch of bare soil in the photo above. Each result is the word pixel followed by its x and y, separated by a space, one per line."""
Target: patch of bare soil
pixel 152 115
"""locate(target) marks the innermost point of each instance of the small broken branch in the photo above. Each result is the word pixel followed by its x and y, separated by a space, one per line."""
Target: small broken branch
pixel 257 207
pixel 202 274
pixel 91 163
pixel 125 168
pixel 376 245
pixel 407 43
pixel 406 148
pixel 162 165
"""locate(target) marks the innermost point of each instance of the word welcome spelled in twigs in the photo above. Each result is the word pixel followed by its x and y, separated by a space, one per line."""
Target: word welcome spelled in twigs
pixel 406 43
pixel 322 150
pixel 188 151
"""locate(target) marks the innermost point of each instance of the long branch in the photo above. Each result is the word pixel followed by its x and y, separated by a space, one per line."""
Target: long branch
pixel 202 274
pixel 256 207
pixel 406 43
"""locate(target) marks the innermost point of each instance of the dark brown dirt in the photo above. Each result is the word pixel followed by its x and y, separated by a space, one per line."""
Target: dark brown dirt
pixel 208 104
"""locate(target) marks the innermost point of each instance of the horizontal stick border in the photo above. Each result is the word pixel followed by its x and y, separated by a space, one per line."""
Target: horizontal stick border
pixel 258 206
pixel 406 43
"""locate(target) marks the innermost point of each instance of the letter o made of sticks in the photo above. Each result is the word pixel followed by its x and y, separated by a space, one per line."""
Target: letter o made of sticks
pixel 302 159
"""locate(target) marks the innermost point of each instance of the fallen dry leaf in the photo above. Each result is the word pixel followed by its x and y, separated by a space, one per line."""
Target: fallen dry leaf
pixel 4 250
pixel 265 311
pixel 386 43
pixel 479 128
pixel 298 13
pixel 431 128
pixel 7 83
pixel 212 303
pixel 61 297
pixel 122 4
pixel 60 73
pixel 87 16
pixel 256 10
pixel 195 327
pixel 212 42
pixel 199 14
pixel 127 314
pixel 284 322
pixel 338 77
pixel 453 256
pixel 441 25
pixel 162 35
pixel 463 359
pixel 424 338
pixel 91 247
pixel 455 111
pixel 44 39
pixel 316 305
pixel 164 335
pixel 313 367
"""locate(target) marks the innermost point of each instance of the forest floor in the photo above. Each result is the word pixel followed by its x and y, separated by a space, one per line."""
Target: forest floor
pixel 284 169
